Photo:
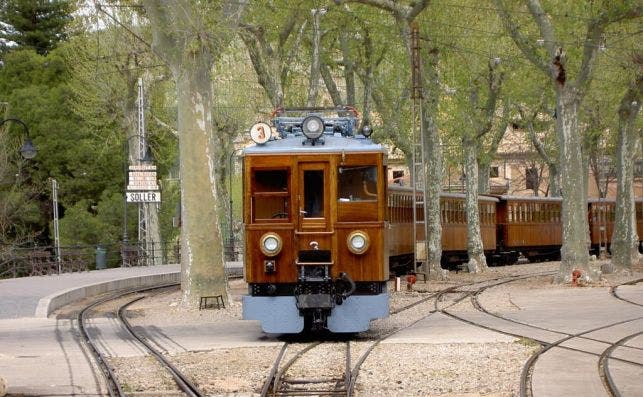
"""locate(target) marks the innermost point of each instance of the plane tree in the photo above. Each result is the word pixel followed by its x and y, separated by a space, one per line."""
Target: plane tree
pixel 625 239
pixel 569 69
pixel 189 37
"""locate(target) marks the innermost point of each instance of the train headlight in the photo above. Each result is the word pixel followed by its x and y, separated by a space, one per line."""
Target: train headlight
pixel 358 242
pixel 270 244
pixel 313 127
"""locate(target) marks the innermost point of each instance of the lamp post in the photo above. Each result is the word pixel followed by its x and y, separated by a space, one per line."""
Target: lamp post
pixel 28 151
pixel 230 174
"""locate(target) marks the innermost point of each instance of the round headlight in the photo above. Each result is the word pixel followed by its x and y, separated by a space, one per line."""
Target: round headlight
pixel 270 244
pixel 313 127
pixel 358 242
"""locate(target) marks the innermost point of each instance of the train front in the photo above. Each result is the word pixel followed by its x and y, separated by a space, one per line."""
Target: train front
pixel 314 211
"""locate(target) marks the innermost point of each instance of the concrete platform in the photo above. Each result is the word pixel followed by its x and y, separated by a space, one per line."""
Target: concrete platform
pixel 39 296
pixel 43 356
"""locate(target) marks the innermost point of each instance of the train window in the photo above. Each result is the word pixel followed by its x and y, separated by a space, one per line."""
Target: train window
pixel 271 181
pixel 314 194
pixel 270 195
pixel 357 183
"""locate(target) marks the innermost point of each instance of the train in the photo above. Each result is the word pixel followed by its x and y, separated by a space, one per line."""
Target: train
pixel 324 230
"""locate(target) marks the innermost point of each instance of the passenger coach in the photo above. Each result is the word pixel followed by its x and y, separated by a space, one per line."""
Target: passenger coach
pixel 314 215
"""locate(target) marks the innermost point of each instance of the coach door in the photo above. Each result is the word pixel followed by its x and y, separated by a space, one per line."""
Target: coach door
pixel 313 220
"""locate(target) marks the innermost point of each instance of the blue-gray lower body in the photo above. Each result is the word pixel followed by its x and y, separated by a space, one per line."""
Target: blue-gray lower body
pixel 280 315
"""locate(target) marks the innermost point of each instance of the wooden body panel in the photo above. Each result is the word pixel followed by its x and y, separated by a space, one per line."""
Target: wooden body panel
pixel 529 222
pixel 284 260
pixel 369 266
pixel 532 235
pixel 454 237
pixel 454 228
pixel 601 216
pixel 328 231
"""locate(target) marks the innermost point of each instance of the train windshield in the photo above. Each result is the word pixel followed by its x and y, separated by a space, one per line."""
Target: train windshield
pixel 357 183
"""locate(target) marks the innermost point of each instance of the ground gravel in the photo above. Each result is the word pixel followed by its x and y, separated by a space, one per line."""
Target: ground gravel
pixel 430 369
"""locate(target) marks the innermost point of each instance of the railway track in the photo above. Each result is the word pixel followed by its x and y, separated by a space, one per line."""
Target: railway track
pixel 615 294
pixel 113 385
pixel 277 384
pixel 527 372
pixel 280 384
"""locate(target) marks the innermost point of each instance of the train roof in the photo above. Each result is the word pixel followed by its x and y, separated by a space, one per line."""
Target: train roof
pixel 529 198
pixel 335 143
pixel 406 189
pixel 313 130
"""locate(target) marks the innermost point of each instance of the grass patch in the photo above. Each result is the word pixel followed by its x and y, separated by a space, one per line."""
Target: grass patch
pixel 527 342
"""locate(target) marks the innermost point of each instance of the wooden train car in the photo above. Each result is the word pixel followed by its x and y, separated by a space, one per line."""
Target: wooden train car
pixel 454 227
pixel 600 216
pixel 314 214
pixel 528 225
pixel 322 227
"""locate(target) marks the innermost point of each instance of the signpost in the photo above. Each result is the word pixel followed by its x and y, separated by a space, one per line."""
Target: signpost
pixel 142 186
pixel 143 197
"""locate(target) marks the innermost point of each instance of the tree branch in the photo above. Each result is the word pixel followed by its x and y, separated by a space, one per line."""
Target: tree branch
pixel 544 25
pixel 405 12
pixel 595 30
pixel 529 123
pixel 335 95
pixel 524 45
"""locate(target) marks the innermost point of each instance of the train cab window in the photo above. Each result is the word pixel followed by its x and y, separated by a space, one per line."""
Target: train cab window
pixel 313 194
pixel 357 183
pixel 270 195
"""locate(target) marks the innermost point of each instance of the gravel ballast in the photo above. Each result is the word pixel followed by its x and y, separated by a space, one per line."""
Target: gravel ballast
pixel 392 369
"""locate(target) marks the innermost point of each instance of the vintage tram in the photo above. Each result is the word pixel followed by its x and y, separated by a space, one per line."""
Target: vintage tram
pixel 314 213
pixel 323 230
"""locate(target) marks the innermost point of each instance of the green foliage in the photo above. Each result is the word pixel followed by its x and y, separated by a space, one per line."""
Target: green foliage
pixel 35 24
pixel 86 223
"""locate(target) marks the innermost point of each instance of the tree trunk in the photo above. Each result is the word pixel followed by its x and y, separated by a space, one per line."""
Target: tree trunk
pixel 554 180
pixel 433 166
pixel 574 252
pixel 266 66
pixel 477 261
pixel 153 241
pixel 180 39
pixel 625 239
pixel 315 61
pixel 201 238
pixel 349 70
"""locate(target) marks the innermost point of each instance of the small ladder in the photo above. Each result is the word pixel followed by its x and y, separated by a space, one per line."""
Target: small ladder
pixel 418 174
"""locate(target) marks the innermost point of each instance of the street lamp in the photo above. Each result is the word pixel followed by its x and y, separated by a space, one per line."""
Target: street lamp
pixel 230 174
pixel 28 151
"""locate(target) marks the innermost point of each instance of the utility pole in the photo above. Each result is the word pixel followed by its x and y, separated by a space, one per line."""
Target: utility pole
pixel 143 209
pixel 418 175
pixel 54 197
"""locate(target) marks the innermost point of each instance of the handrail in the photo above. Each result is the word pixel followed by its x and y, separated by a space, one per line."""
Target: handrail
pixel 324 233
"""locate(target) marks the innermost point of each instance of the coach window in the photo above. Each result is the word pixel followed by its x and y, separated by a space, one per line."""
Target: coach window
pixel 357 183
pixel 270 195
